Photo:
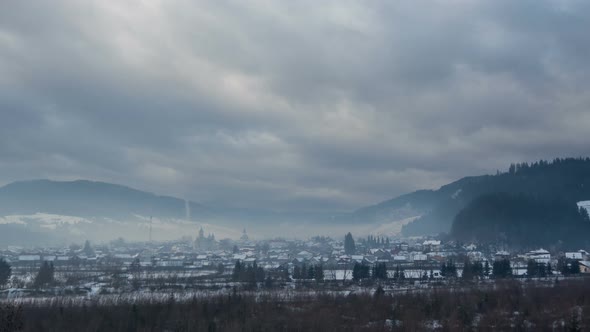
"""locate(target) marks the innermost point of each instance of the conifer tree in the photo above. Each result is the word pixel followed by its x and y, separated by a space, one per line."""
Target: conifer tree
pixel 45 275
pixel 5 272
pixel 349 245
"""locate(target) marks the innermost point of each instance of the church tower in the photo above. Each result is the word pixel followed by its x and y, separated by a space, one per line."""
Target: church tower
pixel 244 235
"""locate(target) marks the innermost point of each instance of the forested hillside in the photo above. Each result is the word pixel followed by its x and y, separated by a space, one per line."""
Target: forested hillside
pixel 566 181
pixel 521 220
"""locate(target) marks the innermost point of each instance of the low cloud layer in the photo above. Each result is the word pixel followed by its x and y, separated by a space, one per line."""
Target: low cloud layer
pixel 289 105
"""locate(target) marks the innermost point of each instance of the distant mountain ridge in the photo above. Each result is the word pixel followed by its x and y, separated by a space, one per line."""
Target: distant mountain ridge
pixel 86 198
pixel 560 183
pixel 90 198
pixel 40 212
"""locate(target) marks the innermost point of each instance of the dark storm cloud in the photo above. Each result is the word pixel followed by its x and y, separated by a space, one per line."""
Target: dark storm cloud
pixel 289 104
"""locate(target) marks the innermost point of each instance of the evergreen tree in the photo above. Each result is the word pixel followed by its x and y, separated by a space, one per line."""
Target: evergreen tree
pixel 356 272
pixel 467 271
pixel 502 269
pixel 476 270
pixel 575 268
pixel 535 269
pixel 311 272
pixel 88 250
pixel 268 282
pixel 531 268
pixel 238 271
pixel 319 273
pixel 258 272
pixel 448 270
pixel 360 271
pixel 349 245
pixel 5 272
pixel 380 271
pixel 45 276
pixel 379 291
pixel 541 270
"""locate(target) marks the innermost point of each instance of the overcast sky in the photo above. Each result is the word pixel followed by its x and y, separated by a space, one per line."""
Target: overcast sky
pixel 297 105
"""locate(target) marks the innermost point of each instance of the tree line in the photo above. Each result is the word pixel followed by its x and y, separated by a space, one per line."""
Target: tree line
pixel 311 272
pixel 507 306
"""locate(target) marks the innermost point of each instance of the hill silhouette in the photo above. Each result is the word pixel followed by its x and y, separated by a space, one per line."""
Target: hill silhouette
pixel 89 199
pixel 559 183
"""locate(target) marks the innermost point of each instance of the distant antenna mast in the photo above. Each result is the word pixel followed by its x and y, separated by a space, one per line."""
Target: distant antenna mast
pixel 150 228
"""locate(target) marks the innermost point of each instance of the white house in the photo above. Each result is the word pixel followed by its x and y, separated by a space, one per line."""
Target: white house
pixel 305 255
pixel 418 256
pixel 357 258
pixel 584 266
pixel 433 245
pixel 574 255
pixel 400 258
pixel 29 258
pixel 540 256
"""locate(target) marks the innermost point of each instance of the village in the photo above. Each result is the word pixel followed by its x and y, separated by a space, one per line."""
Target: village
pixel 205 264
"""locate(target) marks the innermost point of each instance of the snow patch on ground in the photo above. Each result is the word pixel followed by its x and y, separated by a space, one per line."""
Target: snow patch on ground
pixel 392 228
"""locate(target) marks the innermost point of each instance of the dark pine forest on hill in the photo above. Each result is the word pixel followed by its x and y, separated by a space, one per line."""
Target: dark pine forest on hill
pixel 530 204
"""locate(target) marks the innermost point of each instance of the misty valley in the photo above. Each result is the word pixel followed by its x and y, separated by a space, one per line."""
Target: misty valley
pixel 519 233
pixel 294 165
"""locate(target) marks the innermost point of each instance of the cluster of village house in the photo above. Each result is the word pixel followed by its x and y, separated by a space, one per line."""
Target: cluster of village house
pixel 206 253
